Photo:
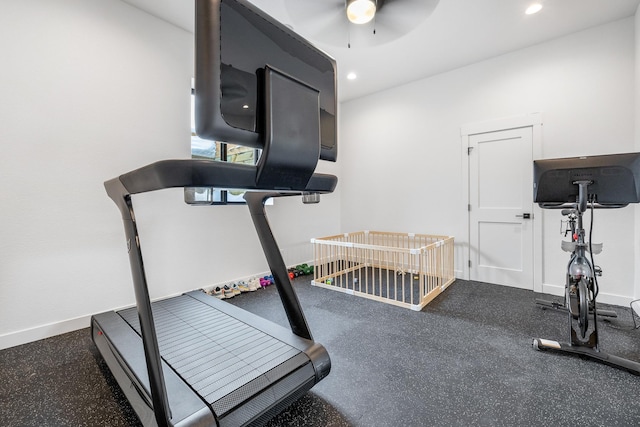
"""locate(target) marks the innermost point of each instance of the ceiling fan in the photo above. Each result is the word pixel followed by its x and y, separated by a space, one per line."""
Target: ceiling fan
pixel 357 23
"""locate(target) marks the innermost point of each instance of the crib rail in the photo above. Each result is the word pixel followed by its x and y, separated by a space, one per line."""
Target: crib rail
pixel 404 269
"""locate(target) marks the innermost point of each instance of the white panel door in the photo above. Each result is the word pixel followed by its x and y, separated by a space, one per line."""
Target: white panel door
pixel 501 207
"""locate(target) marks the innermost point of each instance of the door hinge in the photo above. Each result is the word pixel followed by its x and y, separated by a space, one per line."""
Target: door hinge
pixel 469 207
pixel 469 149
pixel 469 263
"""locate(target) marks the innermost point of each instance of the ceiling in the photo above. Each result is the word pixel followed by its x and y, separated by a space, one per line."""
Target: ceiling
pixel 457 33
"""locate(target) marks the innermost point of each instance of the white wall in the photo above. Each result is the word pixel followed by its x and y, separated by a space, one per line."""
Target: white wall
pixel 92 89
pixel 402 153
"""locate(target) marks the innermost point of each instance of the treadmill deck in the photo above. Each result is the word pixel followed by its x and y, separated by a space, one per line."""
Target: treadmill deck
pixel 215 353
pixel 244 368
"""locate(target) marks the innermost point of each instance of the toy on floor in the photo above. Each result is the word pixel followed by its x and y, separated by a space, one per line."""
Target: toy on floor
pixel 304 269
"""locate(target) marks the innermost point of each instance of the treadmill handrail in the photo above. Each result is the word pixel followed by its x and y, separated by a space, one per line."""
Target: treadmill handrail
pixel 186 173
pixel 203 173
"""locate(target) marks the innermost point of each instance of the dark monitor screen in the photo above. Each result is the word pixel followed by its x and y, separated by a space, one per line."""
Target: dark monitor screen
pixel 234 42
pixel 615 178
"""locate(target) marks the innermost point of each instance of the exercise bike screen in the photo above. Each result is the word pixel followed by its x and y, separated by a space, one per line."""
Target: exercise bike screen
pixel 614 179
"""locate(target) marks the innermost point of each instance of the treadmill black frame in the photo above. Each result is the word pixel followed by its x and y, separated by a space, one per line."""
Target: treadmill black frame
pixel 287 101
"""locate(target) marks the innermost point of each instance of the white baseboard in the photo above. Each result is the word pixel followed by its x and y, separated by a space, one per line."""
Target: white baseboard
pixel 25 336
pixel 635 306
pixel 557 290
pixel 603 297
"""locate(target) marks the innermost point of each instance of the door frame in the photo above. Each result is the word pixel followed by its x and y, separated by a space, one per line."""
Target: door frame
pixel 534 121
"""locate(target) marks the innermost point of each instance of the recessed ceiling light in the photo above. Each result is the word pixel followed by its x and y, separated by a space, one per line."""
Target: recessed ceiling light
pixel 352 76
pixel 245 106
pixel 533 8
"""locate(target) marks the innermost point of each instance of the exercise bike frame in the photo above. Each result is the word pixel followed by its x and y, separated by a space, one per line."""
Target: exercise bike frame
pixel 570 246
pixel 580 284
pixel 581 292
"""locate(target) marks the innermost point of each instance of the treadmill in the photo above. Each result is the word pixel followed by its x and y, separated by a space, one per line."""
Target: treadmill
pixel 194 360
pixel 210 363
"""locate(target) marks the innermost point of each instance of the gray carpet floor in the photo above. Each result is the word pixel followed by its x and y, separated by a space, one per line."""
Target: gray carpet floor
pixel 465 360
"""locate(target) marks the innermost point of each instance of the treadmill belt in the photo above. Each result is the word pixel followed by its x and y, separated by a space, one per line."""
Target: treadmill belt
pixel 223 359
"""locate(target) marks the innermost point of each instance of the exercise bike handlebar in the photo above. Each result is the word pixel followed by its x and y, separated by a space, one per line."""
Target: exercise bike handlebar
pixel 581 204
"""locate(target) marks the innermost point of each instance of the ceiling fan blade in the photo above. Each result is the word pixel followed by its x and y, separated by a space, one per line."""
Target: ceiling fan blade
pixel 307 11
pixel 407 14
pixel 321 20
pixel 325 21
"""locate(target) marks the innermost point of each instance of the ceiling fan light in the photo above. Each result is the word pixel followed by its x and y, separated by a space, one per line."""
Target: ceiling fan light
pixel 361 11
pixel 533 8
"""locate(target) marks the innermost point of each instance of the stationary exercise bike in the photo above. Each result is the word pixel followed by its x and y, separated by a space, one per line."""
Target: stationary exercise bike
pixel 581 285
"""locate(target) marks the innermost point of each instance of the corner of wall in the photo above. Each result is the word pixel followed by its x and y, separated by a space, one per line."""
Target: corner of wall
pixel 636 221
